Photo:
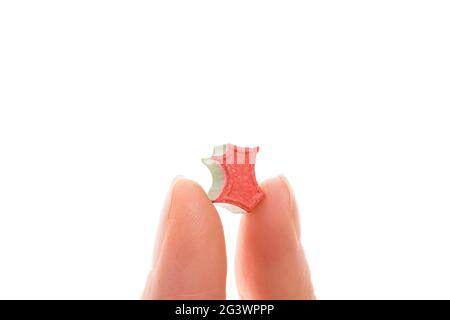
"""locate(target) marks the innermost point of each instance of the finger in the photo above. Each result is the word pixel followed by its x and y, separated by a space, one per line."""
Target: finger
pixel 189 255
pixel 270 261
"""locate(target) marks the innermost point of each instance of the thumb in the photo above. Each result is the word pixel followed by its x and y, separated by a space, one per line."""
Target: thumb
pixel 270 260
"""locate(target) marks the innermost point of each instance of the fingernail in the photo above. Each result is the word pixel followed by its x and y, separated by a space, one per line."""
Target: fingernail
pixel 293 210
pixel 163 221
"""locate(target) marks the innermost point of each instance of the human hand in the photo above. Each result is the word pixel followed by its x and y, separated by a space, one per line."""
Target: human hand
pixel 190 260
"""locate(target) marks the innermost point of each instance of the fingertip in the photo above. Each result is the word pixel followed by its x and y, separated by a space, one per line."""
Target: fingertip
pixel 192 260
pixel 188 191
pixel 270 261
pixel 278 210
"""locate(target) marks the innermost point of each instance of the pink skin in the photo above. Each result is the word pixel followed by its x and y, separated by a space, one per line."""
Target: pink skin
pixel 190 259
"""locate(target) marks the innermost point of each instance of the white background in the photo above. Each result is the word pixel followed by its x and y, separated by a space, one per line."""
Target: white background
pixel 102 103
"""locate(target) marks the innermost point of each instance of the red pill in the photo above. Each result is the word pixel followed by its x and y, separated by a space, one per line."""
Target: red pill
pixel 234 182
